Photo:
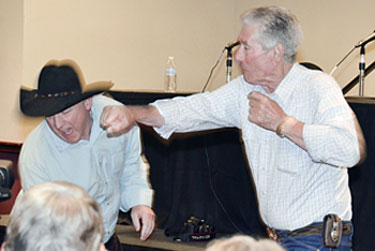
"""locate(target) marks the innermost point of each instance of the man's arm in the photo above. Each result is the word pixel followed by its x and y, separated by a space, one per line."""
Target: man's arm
pixel 326 140
pixel 120 119
pixel 135 191
pixel 269 115
pixel 30 167
pixel 31 174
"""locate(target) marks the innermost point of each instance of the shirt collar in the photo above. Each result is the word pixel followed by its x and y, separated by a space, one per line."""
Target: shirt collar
pixel 96 129
pixel 286 86
pixel 283 90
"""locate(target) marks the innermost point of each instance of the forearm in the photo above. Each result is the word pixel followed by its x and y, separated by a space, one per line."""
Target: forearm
pixel 120 119
pixel 325 143
pixel 293 130
pixel 147 115
pixel 335 144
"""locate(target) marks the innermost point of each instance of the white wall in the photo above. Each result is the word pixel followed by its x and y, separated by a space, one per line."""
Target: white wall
pixel 11 32
pixel 128 42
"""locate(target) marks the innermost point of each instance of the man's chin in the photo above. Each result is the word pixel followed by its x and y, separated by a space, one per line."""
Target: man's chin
pixel 70 140
pixel 247 79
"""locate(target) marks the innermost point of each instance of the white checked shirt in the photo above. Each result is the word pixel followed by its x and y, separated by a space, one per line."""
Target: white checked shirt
pixel 294 187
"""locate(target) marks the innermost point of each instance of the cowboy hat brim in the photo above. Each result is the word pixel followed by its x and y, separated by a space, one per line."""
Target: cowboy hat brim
pixel 33 104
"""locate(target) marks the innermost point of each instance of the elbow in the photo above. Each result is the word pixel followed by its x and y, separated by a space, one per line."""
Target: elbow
pixel 349 155
pixel 356 159
pixel 361 149
pixel 361 152
pixel 357 155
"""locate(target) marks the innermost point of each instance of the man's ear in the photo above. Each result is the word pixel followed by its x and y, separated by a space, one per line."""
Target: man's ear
pixel 87 103
pixel 278 52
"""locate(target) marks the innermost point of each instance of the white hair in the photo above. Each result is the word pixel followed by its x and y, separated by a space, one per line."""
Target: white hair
pixel 276 25
pixel 55 216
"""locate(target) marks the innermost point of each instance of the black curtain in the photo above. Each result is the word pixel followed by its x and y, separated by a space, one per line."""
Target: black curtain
pixel 362 178
pixel 203 175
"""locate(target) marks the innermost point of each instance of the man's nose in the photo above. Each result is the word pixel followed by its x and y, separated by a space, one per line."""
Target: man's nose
pixel 238 56
pixel 58 120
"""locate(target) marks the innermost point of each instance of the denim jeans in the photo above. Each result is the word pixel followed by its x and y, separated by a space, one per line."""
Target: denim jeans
pixel 314 242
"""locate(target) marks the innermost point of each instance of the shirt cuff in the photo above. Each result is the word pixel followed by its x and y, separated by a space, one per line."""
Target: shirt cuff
pixel 167 109
pixel 143 197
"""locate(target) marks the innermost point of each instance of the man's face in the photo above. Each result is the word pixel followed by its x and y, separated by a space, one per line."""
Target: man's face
pixel 74 123
pixel 255 62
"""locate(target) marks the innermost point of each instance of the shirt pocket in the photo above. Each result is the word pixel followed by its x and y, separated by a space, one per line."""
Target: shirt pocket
pixel 287 157
pixel 110 157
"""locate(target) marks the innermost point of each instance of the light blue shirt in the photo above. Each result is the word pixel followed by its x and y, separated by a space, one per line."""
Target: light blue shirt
pixel 294 187
pixel 110 169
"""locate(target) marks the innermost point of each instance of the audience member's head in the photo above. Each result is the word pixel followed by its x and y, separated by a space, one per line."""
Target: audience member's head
pixel 55 216
pixel 243 243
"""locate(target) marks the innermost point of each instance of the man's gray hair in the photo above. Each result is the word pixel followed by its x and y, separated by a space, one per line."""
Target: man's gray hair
pixel 54 216
pixel 276 25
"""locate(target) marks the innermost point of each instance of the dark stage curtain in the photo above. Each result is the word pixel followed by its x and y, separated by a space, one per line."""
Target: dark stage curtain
pixel 202 175
pixel 362 178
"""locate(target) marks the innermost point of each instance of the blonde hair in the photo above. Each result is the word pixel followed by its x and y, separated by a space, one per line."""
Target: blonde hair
pixel 55 216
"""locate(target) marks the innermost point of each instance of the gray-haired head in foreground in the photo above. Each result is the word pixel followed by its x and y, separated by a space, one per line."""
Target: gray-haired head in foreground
pixel 54 216
pixel 276 25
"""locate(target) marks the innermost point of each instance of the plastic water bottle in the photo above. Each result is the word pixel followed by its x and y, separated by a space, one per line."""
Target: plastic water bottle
pixel 170 75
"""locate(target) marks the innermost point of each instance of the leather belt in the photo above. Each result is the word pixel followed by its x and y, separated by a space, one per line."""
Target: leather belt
pixel 315 229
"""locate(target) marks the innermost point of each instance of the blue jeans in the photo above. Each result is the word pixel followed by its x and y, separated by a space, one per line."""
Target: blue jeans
pixel 314 242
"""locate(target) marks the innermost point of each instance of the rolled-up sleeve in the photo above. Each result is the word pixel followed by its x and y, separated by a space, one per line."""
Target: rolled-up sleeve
pixel 198 112
pixel 332 137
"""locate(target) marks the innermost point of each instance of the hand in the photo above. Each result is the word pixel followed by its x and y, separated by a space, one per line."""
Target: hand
pixel 117 119
pixel 264 111
pixel 143 219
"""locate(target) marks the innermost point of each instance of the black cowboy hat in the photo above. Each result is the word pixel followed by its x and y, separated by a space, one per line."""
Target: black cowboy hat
pixel 60 86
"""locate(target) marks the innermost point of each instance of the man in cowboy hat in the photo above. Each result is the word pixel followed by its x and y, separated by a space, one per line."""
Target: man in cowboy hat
pixel 70 145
